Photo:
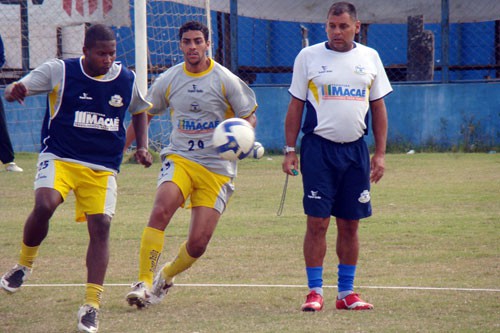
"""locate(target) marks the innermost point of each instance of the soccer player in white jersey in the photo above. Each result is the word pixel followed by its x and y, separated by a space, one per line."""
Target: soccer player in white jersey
pixel 82 143
pixel 200 93
pixel 337 82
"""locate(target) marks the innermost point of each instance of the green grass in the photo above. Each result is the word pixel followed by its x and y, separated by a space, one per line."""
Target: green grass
pixel 436 224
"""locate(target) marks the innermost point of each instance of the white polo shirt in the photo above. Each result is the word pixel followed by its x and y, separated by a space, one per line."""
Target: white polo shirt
pixel 337 88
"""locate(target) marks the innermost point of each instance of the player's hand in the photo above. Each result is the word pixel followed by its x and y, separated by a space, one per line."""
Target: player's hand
pixel 290 164
pixel 17 93
pixel 143 156
pixel 377 167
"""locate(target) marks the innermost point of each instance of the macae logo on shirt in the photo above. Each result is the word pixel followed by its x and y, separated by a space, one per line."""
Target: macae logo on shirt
pixel 86 119
pixel 116 101
pixel 196 126
pixel 332 91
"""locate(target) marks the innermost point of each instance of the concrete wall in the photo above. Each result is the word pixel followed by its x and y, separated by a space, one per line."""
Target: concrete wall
pixel 444 115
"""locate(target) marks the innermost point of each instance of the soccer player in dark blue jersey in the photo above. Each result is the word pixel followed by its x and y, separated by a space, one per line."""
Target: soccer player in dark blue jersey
pixel 82 142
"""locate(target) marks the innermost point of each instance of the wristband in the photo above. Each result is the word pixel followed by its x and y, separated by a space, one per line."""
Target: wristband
pixel 142 148
pixel 288 149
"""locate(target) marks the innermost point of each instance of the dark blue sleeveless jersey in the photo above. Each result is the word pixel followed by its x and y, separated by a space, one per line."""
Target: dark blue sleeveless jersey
pixel 88 125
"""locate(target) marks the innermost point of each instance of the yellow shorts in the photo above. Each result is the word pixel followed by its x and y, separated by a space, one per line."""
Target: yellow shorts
pixel 95 191
pixel 203 187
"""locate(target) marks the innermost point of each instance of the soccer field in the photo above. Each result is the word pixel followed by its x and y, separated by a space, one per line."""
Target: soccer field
pixel 429 259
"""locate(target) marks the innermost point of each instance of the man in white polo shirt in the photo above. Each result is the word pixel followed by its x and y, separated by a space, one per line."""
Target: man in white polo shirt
pixel 337 81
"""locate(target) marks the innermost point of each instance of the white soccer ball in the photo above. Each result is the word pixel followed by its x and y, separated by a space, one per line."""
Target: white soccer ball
pixel 258 150
pixel 234 139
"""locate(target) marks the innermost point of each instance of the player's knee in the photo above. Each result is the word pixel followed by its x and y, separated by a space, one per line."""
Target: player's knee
pixel 99 226
pixel 317 227
pixel 347 228
pixel 196 248
pixel 44 209
pixel 161 215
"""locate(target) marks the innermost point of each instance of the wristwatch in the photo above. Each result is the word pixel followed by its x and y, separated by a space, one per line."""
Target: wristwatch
pixel 288 149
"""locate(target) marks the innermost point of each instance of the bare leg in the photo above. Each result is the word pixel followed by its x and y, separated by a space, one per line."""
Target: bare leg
pixel 203 223
pixel 347 241
pixel 36 227
pixel 315 241
pixel 98 249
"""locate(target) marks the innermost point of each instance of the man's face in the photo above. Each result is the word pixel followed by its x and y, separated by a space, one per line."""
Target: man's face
pixel 100 57
pixel 194 47
pixel 341 30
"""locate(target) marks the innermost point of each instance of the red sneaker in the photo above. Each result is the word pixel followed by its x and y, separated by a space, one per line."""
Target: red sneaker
pixel 314 302
pixel 353 302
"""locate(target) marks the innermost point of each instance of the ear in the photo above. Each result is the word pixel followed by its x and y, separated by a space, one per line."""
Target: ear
pixel 358 26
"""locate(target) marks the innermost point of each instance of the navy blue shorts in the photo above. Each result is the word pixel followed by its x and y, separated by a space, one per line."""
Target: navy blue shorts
pixel 335 177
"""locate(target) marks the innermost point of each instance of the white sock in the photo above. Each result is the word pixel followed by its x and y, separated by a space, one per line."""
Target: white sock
pixel 318 290
pixel 343 294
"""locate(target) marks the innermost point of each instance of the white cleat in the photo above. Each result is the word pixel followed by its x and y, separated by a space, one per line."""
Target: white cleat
pixel 160 288
pixel 88 319
pixel 12 167
pixel 140 295
pixel 14 279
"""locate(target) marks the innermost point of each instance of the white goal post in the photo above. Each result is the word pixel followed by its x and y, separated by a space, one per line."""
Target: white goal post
pixel 141 46
pixel 141 38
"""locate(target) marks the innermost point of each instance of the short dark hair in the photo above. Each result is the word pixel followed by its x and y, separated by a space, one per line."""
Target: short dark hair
pixel 340 8
pixel 98 32
pixel 194 25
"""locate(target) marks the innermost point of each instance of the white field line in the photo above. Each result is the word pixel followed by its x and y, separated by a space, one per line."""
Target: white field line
pixel 230 285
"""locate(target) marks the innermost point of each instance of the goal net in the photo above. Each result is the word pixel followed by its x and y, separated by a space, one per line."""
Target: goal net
pixel 163 20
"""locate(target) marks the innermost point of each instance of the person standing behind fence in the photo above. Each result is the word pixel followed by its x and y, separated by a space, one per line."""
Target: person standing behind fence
pixel 337 81
pixel 82 143
pixel 6 149
pixel 200 94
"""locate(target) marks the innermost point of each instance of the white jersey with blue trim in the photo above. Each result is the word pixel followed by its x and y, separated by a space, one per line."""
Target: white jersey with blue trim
pixel 337 88
pixel 84 118
pixel 198 102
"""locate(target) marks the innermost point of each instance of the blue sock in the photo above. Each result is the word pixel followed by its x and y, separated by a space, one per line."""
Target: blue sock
pixel 315 279
pixel 346 276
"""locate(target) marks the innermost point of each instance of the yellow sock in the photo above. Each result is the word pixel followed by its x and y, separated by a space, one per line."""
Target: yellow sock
pixel 182 262
pixel 93 294
pixel 27 255
pixel 151 247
